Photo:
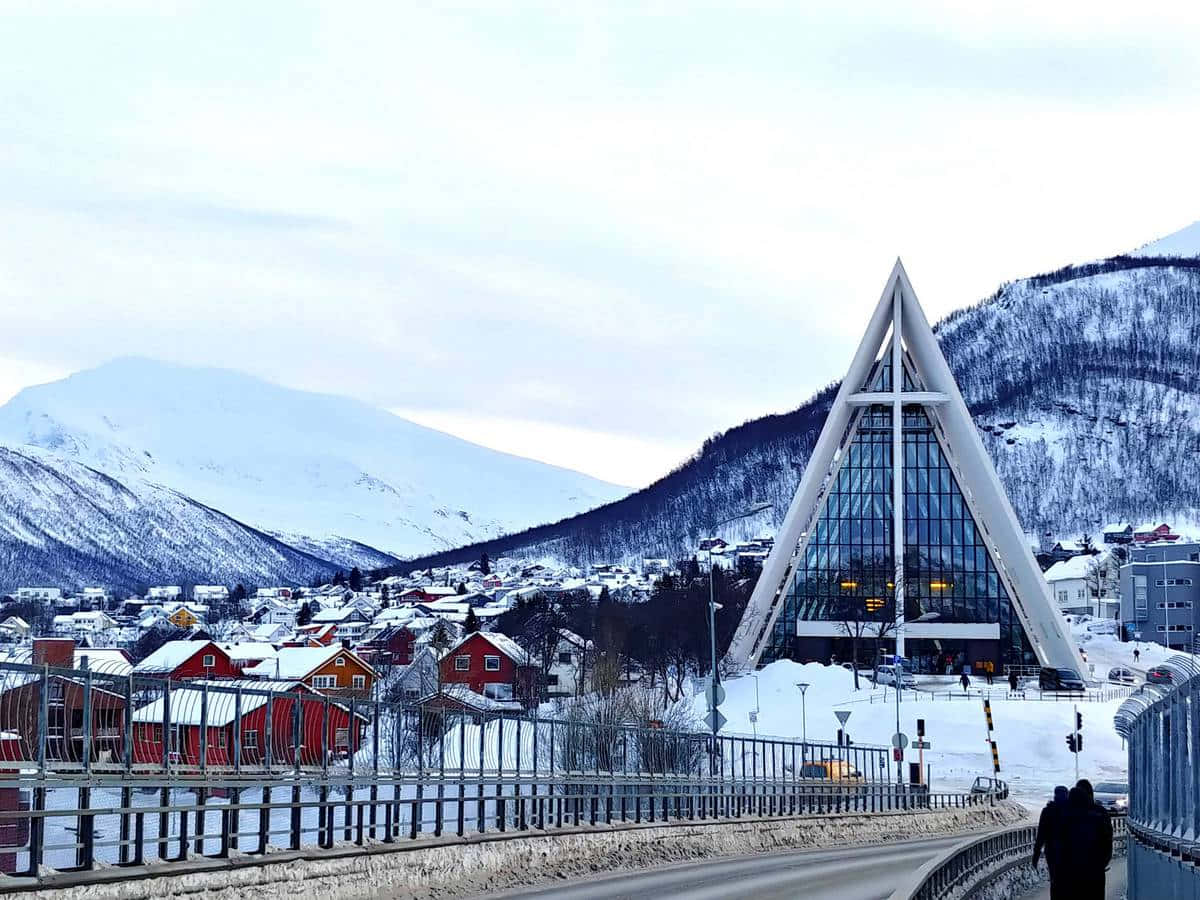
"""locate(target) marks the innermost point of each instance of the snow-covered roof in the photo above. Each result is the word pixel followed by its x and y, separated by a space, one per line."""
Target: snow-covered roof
pixel 186 702
pixel 1116 528
pixel 501 642
pixel 298 662
pixel 1074 568
pixel 247 651
pixel 463 694
pixel 171 655
pixel 340 614
pixel 108 660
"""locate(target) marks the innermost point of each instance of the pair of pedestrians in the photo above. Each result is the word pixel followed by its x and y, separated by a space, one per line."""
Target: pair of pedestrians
pixel 1076 834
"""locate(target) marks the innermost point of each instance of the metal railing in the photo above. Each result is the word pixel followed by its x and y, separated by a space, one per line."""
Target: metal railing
pixel 976 861
pixel 1161 724
pixel 1036 695
pixel 126 770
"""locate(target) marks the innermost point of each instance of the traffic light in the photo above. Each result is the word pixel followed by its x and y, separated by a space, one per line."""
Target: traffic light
pixel 1078 720
pixel 1071 743
pixel 920 728
pixel 1079 743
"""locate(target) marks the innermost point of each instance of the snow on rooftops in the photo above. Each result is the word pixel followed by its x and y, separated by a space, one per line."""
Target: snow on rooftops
pixel 106 659
pixel 1075 567
pixel 249 651
pixel 170 656
pixel 187 702
pixel 296 662
pixel 501 642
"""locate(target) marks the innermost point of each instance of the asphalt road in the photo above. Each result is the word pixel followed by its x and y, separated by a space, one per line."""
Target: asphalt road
pixel 851 873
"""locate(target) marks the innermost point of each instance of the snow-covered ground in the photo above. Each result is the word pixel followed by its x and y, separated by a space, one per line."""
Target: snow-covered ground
pixel 1030 734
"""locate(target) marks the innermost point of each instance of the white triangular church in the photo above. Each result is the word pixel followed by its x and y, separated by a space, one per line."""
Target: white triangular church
pixel 900 533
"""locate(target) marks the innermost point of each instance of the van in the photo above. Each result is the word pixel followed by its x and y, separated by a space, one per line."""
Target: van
pixel 831 770
pixel 889 674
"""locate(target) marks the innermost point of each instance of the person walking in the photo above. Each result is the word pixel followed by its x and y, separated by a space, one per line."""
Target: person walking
pixel 1049 839
pixel 1086 847
pixel 965 681
pixel 1012 686
pixel 1137 654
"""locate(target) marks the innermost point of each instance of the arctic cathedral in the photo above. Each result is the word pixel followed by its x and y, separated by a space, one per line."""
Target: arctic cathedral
pixel 900 536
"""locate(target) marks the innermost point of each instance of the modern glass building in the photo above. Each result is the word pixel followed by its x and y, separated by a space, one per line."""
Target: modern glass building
pixel 899 473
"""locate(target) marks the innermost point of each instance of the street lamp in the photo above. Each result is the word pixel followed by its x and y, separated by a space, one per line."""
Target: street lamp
pixel 804 686
pixel 712 612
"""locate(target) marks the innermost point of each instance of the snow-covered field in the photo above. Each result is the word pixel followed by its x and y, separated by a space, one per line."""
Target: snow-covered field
pixel 1030 734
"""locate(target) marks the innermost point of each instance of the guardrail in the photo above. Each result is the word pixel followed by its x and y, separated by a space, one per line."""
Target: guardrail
pixel 1101 695
pixel 976 861
pixel 127 770
pixel 1162 726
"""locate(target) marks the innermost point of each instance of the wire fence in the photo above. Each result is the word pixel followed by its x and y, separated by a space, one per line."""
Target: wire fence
pixel 127 769
pixel 1161 724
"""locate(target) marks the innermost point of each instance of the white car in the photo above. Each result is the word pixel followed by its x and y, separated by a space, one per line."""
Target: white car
pixel 887 675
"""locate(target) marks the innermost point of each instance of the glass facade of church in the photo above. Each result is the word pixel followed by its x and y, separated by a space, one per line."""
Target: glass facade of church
pixel 846 573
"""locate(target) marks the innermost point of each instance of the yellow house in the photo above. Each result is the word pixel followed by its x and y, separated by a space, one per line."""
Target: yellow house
pixel 183 618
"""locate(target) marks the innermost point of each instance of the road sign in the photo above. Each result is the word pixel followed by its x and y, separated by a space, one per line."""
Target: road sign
pixel 899 740
pixel 921 745
pixel 842 715
pixel 714 694
pixel 719 723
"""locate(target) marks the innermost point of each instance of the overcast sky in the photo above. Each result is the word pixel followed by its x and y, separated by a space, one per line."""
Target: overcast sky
pixel 591 235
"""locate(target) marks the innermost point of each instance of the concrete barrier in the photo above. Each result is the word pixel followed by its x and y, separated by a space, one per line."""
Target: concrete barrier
pixel 459 867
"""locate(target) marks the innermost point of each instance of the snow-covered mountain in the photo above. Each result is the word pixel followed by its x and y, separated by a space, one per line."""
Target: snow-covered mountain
pixel 1084 382
pixel 62 523
pixel 335 470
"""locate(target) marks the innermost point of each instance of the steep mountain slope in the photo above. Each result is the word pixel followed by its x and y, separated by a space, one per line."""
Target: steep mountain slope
pixel 290 461
pixel 1085 384
pixel 62 523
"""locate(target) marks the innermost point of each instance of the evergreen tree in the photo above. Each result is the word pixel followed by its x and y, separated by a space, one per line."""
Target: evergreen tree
pixel 485 564
pixel 385 599
pixel 472 624
pixel 461 589
pixel 339 578
pixel 239 594
pixel 356 580
pixel 304 616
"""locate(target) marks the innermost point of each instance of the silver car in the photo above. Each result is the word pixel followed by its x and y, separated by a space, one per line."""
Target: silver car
pixel 1113 796
pixel 887 675
pixel 1121 675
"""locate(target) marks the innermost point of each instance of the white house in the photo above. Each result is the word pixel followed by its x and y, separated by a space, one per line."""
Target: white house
pixel 43 594
pixel 570 672
pixel 1079 586
pixel 96 597
pixel 210 593
pixel 165 592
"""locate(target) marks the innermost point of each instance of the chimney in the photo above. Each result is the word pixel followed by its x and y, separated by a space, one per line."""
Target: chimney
pixel 58 652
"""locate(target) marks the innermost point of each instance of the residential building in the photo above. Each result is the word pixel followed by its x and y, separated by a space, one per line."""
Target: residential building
pixel 165 592
pixel 210 593
pixel 1151 533
pixel 14 629
pixel 40 594
pixel 1160 593
pixel 569 675
pixel 1117 533
pixel 1069 583
pixel 188 659
pixel 349 624
pixel 973 594
pixel 392 646
pixel 335 670
pixel 492 664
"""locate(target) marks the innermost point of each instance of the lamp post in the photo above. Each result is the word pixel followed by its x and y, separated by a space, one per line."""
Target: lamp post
pixel 803 685
pixel 712 613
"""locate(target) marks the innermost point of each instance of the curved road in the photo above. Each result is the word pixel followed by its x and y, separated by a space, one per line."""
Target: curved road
pixel 869 872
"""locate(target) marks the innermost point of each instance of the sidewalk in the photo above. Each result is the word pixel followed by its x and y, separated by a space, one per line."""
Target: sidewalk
pixel 1114 886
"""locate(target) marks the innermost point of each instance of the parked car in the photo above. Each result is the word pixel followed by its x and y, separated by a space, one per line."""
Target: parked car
pixel 1051 679
pixel 1113 796
pixel 888 674
pixel 837 770
pixel 1120 675
pixel 1159 675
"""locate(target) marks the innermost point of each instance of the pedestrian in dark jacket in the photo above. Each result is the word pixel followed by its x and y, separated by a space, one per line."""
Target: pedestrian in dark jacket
pixel 1086 844
pixel 1012 686
pixel 1049 839
pixel 965 682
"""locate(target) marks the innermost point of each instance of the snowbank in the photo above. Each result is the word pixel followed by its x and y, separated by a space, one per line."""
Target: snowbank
pixel 1030 734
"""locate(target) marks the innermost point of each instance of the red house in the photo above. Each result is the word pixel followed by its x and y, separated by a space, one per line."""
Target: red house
pixel 391 647
pixel 490 664
pixel 178 660
pixel 189 714
pixel 1147 535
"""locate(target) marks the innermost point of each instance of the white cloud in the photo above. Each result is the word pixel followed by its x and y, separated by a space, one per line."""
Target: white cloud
pixel 608 220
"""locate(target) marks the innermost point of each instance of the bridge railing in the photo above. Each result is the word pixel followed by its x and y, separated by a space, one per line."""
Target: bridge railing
pixel 126 770
pixel 976 861
pixel 1161 724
